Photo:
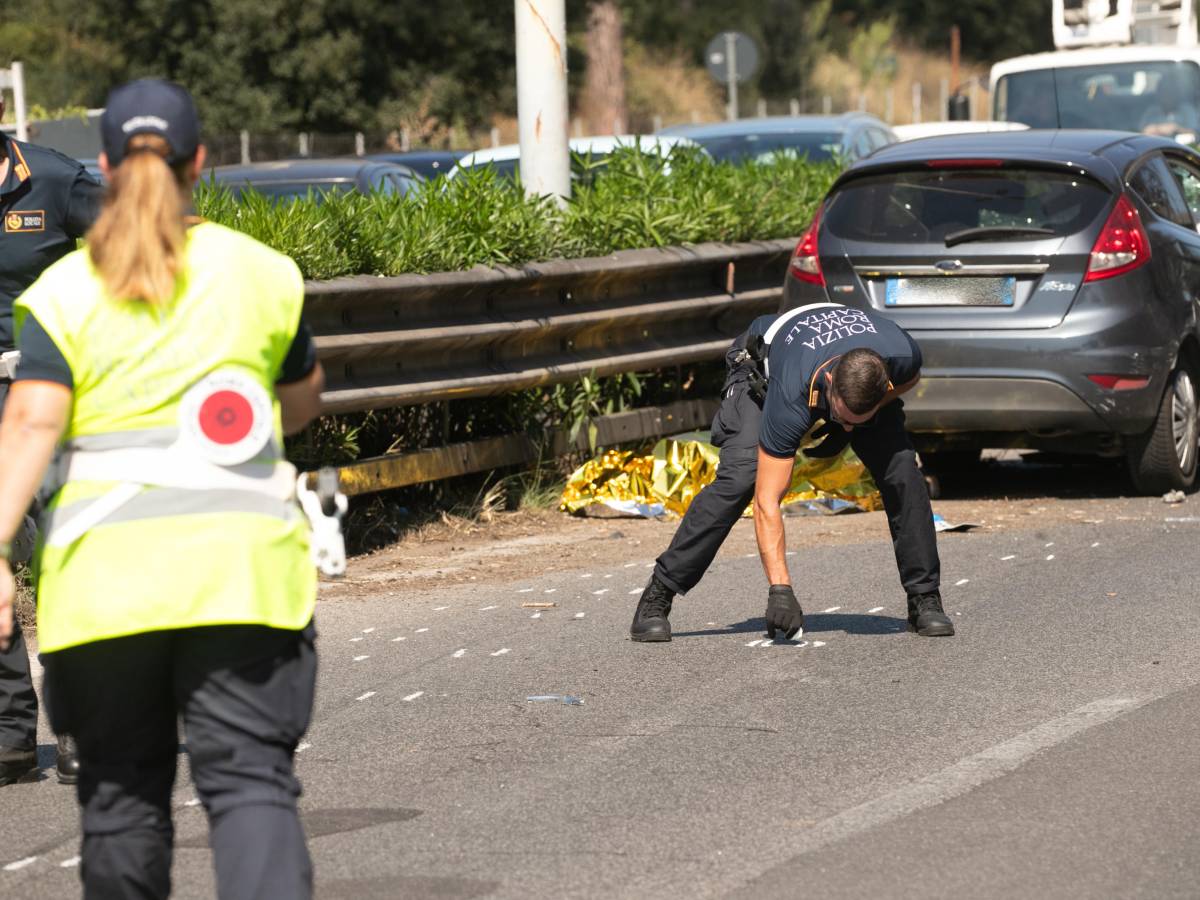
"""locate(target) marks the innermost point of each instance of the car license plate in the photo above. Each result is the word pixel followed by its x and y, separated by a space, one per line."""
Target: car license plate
pixel 959 290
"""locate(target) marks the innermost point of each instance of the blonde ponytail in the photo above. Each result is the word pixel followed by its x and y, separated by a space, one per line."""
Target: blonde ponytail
pixel 138 240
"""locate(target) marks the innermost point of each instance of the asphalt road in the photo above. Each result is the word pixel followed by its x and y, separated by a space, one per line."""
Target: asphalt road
pixel 1048 750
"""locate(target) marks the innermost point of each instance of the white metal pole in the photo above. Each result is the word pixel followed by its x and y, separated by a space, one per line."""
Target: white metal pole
pixel 18 87
pixel 542 96
pixel 360 144
pixel 916 102
pixel 244 145
pixel 731 111
pixel 794 106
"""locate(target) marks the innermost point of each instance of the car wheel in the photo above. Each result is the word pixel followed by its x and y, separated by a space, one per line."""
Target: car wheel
pixel 1164 459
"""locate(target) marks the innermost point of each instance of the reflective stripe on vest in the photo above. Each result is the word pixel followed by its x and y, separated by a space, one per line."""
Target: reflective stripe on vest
pixel 157 481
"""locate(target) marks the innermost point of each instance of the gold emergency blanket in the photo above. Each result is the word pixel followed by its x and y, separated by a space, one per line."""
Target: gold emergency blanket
pixel 678 468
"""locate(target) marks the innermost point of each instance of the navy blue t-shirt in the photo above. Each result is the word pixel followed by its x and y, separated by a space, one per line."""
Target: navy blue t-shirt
pixel 806 342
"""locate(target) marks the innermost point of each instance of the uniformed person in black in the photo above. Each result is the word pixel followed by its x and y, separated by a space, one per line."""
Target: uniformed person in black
pixel 829 364
pixel 47 202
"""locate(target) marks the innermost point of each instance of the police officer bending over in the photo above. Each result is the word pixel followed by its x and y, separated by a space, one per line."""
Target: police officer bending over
pixel 824 362
pixel 47 201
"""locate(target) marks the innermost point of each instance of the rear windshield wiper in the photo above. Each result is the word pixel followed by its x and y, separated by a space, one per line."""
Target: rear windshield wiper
pixel 995 231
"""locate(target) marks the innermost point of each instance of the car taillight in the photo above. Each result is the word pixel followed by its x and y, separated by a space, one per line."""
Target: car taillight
pixel 1123 244
pixel 806 260
pixel 1120 382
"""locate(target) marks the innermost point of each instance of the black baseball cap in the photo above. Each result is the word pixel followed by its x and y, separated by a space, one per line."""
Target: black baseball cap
pixel 150 106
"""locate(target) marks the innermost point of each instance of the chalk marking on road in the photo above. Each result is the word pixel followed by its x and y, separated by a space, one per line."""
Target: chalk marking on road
pixel 486 608
pixel 459 654
pixel 195 801
pixel 366 696
pixel 361 658
pixel 1051 544
pixel 368 630
pixel 875 609
pixel 422 630
pixel 962 581
pixel 599 592
pixel 586 575
pixel 1007 558
pixel 628 565
pixel 304 745
pixel 549 590
pixel 502 651
pixel 70 863
pixel 818 643
pixel 20 864
pixel 536 616
pixel 953 781
pixel 755 643
pixel 525 591
pixel 580 615
pixel 833 609
pixel 411 697
pixel 790 553
pixel 401 638
pixel 749 555
pixel 1096 544
pixel 649 565
pixel 635 591
pixel 440 608
pixel 1050 557
pixel 353 639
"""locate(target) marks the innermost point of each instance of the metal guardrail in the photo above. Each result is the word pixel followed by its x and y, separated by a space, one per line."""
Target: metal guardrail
pixel 416 339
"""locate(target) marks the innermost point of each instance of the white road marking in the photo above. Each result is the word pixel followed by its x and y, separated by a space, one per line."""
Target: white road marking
pixel 411 697
pixel 368 630
pixel 1097 544
pixel 962 581
pixel 20 864
pixel 833 609
pixel 636 591
pixel 366 696
pixel 304 745
pixel 875 609
pixel 1051 544
pixel 361 658
pixel 953 781
pixel 501 651
pixel 70 863
pixel 440 608
pixel 818 643
pixel 353 639
pixel 580 615
pixel 628 565
pixel 459 654
pixel 401 638
pixel 1006 558
pixel 486 608
pixel 422 630
pixel 549 590
pixel 586 575
pixel 649 565
pixel 525 590
pixel 536 616
pixel 749 555
pixel 193 802
pixel 1050 557
pixel 755 643
pixel 599 592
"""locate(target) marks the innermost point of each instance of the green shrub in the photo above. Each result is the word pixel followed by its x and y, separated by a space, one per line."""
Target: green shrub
pixel 478 218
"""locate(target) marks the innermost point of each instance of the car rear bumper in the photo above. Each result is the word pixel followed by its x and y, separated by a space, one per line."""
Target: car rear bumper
pixel 969 404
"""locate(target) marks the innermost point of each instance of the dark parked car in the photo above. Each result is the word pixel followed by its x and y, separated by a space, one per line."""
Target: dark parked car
pixel 850 136
pixel 1051 278
pixel 426 163
pixel 294 178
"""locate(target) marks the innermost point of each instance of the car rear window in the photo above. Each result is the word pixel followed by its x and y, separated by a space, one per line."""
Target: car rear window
pixel 925 205
pixel 816 145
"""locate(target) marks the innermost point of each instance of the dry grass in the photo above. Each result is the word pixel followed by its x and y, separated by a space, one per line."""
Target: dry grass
pixel 669 87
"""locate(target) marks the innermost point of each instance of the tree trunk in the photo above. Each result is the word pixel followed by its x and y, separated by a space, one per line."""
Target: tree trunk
pixel 602 105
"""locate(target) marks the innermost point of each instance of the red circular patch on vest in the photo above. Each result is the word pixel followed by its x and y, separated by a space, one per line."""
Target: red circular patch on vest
pixel 226 417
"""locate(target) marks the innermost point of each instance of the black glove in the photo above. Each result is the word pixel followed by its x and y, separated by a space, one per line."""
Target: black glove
pixel 836 439
pixel 783 612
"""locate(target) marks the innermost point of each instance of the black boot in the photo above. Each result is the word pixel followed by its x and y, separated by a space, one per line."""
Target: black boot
pixel 17 764
pixel 650 621
pixel 926 616
pixel 68 760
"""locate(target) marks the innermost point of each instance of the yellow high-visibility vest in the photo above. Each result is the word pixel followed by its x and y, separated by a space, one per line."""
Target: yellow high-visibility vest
pixel 170 557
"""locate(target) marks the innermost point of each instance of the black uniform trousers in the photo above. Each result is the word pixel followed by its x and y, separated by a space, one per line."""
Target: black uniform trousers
pixel 245 695
pixel 18 700
pixel 883 446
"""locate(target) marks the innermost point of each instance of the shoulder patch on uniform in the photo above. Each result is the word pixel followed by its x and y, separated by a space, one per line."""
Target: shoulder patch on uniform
pixel 23 220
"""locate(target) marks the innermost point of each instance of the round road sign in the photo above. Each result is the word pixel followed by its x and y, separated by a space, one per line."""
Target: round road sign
pixel 731 50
